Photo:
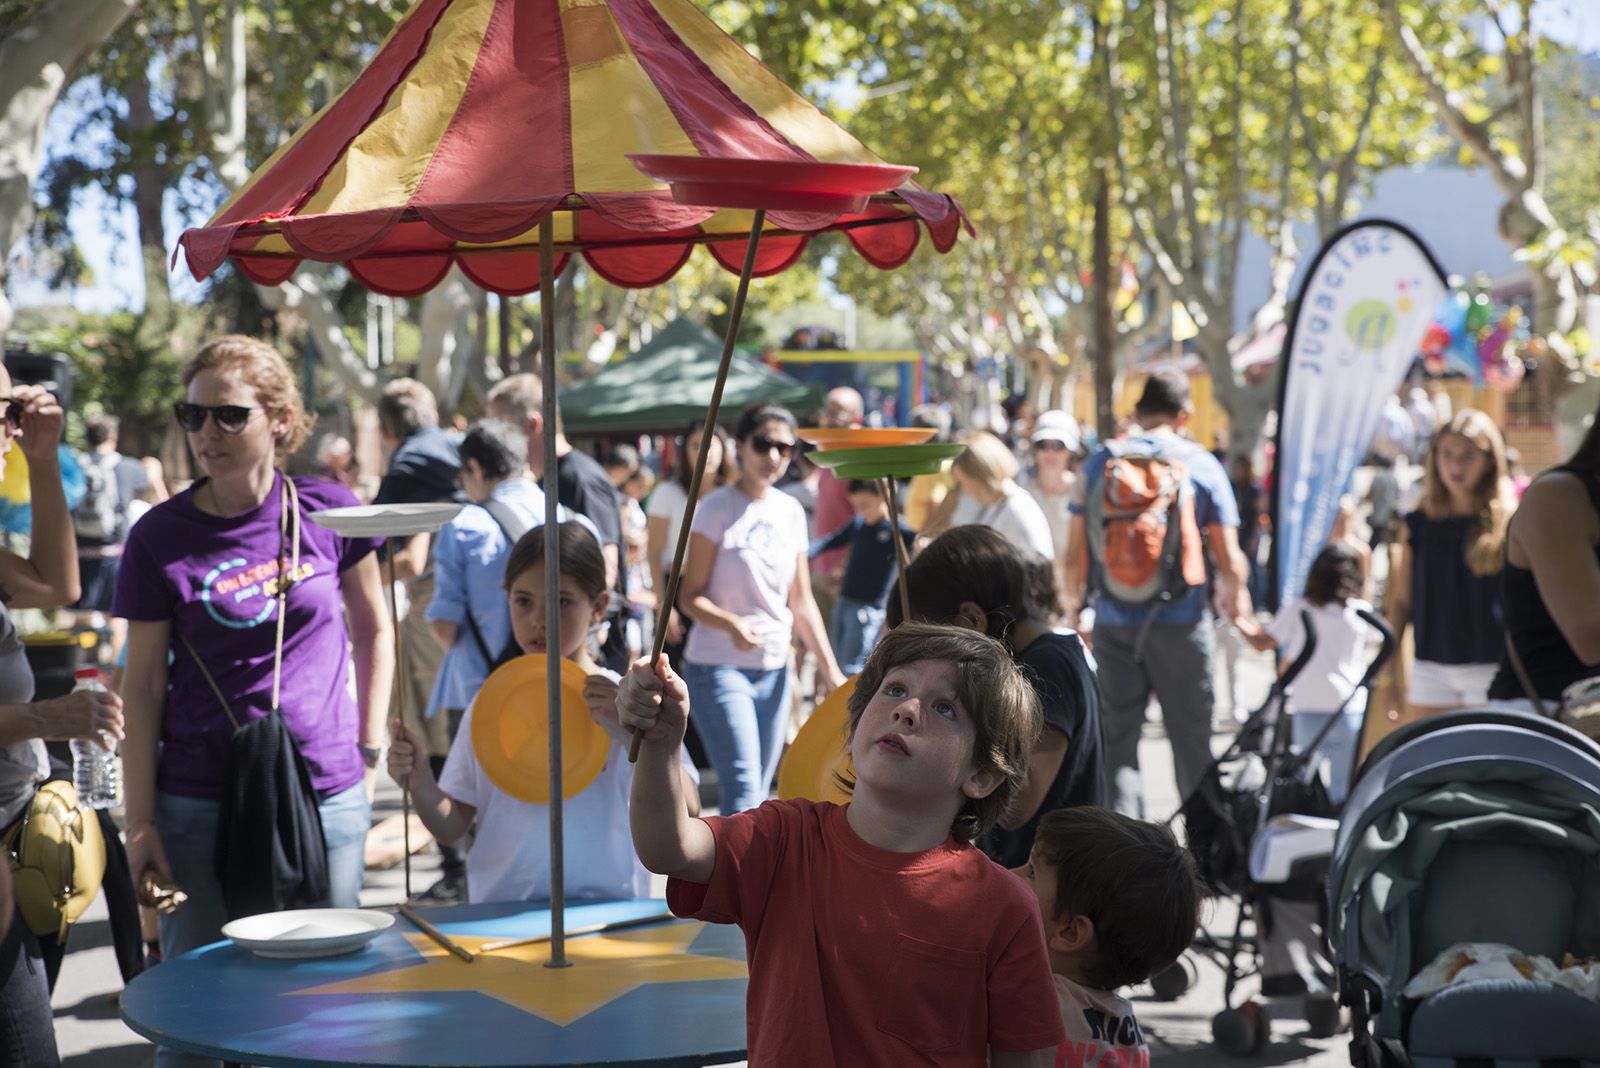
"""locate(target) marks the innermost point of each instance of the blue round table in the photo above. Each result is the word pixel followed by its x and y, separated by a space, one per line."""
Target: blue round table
pixel 666 994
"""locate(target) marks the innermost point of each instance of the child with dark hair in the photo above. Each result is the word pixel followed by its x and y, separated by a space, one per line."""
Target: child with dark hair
pixel 1333 597
pixel 973 577
pixel 876 934
pixel 1121 901
pixel 869 571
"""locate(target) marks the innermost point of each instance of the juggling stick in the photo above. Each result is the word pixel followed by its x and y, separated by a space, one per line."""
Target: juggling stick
pixel 594 928
pixel 400 700
pixel 675 576
pixel 899 549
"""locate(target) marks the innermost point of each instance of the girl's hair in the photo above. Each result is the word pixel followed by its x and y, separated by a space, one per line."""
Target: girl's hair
pixel 1335 575
pixel 986 460
pixel 267 372
pixel 1044 600
pixel 1494 498
pixel 757 415
pixel 971 563
pixel 581 559
pixel 683 465
pixel 499 446
pixel 991 689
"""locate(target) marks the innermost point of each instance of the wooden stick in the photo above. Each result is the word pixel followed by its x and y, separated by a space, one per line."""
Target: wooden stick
pixel 433 932
pixel 675 574
pixel 899 549
pixel 594 928
pixel 400 704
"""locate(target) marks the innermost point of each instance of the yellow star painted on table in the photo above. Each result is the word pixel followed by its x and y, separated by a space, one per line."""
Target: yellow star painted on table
pixel 604 967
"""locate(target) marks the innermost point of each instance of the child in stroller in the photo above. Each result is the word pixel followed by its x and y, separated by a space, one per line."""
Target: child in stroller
pixel 1262 821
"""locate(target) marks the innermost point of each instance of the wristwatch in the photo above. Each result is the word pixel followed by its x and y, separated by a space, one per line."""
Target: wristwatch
pixel 371 754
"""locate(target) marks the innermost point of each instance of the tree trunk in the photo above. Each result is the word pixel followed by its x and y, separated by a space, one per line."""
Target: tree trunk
pixel 37 60
pixel 1103 345
pixel 149 189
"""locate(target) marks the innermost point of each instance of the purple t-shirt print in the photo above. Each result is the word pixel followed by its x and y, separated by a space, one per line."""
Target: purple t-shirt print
pixel 216 579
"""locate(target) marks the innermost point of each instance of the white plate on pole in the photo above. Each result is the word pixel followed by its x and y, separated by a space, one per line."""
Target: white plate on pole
pixel 301 934
pixel 385 520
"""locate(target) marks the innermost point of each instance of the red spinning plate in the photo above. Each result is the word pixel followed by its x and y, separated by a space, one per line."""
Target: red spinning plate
pixel 776 185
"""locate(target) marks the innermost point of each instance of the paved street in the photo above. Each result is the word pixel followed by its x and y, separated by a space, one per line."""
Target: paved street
pixel 91 1036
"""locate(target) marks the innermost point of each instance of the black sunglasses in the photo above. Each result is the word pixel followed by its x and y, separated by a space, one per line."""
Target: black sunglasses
pixel 231 418
pixel 15 407
pixel 763 444
pixel 1050 445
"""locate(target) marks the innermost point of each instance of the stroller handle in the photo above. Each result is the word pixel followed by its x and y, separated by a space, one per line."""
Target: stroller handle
pixel 1300 766
pixel 1298 664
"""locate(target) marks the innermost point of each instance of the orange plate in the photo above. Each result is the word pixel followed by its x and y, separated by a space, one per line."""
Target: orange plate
pixel 827 437
pixel 511 731
pixel 818 751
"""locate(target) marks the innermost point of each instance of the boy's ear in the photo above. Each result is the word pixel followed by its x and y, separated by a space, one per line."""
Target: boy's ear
pixel 972 616
pixel 1073 933
pixel 981 783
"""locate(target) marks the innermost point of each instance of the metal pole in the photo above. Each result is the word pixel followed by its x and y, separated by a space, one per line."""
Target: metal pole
pixel 899 549
pixel 552 592
pixel 675 573
pixel 400 705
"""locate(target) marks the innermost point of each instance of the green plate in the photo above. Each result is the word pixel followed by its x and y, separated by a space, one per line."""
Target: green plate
pixel 887 461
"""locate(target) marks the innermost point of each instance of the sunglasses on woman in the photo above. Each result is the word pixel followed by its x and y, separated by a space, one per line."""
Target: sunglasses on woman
pixel 763 444
pixel 13 412
pixel 230 418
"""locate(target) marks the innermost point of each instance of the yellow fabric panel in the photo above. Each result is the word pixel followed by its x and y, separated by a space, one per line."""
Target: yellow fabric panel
pixel 385 163
pixel 304 127
pixel 796 118
pixel 617 109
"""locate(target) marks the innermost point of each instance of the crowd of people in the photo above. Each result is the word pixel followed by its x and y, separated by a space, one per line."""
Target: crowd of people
pixel 1055 587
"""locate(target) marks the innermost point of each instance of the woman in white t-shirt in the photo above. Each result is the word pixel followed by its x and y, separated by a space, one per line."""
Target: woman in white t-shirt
pixel 510 855
pixel 986 476
pixel 747 587
pixel 1329 680
pixel 664 515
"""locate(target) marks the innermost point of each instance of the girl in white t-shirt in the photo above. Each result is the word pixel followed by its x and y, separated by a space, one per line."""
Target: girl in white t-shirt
pixel 1329 681
pixel 510 855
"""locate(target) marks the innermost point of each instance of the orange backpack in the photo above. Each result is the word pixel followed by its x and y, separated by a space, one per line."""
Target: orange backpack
pixel 1142 531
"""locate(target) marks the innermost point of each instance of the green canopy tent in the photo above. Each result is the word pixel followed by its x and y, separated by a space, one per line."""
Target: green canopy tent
pixel 667 384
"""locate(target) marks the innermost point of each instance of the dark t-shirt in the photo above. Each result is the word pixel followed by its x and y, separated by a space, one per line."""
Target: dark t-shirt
pixel 1070 698
pixel 870 568
pixel 583 485
pixel 422 470
pixel 1456 612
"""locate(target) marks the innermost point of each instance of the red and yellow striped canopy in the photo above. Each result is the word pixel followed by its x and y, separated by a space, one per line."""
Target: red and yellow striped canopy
pixel 479 119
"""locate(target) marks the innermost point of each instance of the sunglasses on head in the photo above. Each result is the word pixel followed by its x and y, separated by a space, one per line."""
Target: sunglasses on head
pixel 13 412
pixel 763 444
pixel 230 418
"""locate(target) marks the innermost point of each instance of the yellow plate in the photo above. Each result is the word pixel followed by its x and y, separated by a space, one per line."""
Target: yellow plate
pixel 511 731
pixel 819 751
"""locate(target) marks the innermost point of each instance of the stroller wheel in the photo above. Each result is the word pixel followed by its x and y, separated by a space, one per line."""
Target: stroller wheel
pixel 1240 1031
pixel 1323 1016
pixel 1173 981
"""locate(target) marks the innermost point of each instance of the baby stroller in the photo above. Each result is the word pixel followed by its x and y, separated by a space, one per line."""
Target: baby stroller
pixel 1471 826
pixel 1261 828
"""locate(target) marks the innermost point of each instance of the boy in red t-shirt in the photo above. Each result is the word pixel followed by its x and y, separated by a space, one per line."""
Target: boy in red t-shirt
pixel 1121 901
pixel 877 934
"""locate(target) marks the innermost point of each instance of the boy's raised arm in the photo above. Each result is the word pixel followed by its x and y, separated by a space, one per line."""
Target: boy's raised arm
pixel 668 840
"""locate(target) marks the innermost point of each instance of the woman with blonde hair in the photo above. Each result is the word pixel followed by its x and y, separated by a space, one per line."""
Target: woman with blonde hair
pixel 201 590
pixel 1451 551
pixel 986 476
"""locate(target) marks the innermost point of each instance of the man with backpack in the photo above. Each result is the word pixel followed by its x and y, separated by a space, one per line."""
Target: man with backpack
pixel 100 520
pixel 1151 504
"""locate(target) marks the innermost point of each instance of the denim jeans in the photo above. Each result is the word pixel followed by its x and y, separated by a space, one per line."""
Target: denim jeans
pixel 27 1028
pixel 855 630
pixel 188 828
pixel 741 714
pixel 1338 748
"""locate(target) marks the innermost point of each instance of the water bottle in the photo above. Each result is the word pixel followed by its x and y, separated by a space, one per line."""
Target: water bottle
pixel 96 772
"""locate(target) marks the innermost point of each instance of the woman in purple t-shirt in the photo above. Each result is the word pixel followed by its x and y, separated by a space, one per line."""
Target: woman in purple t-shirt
pixel 201 571
pixel 747 586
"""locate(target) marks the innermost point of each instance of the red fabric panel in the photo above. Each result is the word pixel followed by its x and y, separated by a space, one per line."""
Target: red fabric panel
pixel 510 274
pixel 401 276
pixel 483 223
pixel 267 270
pixel 804 221
pixel 331 238
pixel 299 171
pixel 511 138
pixel 206 247
pixel 717 121
pixel 774 256
pixel 640 267
pixel 887 245
pixel 654 213
pixel 945 231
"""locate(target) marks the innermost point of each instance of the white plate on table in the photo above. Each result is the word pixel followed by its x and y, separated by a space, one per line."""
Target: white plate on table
pixel 385 520
pixel 301 934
